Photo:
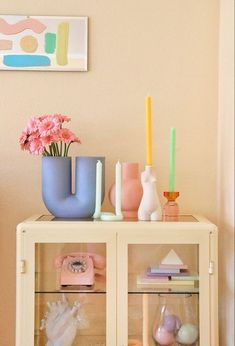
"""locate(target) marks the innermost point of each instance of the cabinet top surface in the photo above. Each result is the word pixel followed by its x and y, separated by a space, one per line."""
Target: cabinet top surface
pixel 182 220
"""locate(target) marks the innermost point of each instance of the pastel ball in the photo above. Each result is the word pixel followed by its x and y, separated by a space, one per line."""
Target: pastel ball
pixel 163 337
pixel 171 323
pixel 29 44
pixel 187 334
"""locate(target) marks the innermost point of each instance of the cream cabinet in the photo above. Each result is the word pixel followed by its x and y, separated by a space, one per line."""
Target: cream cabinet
pixel 103 266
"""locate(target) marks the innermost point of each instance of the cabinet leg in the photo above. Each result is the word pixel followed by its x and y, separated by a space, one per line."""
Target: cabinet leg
pixel 145 319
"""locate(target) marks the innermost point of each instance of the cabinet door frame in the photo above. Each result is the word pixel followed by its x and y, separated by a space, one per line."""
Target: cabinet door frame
pixel 30 233
pixel 166 233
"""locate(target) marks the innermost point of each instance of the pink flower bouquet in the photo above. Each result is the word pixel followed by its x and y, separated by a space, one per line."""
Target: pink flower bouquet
pixel 45 136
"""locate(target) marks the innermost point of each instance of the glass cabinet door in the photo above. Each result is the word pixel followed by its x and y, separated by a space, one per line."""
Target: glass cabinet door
pixel 70 276
pixel 73 299
pixel 166 285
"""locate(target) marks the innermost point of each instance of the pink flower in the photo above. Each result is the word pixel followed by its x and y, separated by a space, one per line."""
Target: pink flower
pixel 23 140
pixel 67 136
pixel 42 117
pixel 51 138
pixel 36 147
pixel 77 140
pixel 42 135
pixel 48 125
pixel 32 125
pixel 33 135
pixel 62 118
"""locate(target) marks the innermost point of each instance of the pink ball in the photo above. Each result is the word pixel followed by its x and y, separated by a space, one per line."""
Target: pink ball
pixel 163 337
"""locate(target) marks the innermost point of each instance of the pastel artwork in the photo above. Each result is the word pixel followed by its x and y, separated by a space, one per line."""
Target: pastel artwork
pixel 26 60
pixel 50 42
pixel 62 44
pixel 5 44
pixel 29 44
pixel 28 23
pixel 53 43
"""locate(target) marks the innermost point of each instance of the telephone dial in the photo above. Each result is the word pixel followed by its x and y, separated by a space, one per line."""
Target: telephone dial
pixel 79 268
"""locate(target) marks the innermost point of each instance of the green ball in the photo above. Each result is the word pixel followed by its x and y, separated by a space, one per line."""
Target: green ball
pixel 187 334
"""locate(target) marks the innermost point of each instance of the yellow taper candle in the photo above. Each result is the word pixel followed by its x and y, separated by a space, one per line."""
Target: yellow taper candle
pixel 148 131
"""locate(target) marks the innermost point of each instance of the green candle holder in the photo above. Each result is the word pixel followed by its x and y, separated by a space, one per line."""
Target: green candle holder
pixel 171 208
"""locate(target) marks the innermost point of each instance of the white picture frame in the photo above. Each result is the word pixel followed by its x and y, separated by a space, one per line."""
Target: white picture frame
pixel 49 43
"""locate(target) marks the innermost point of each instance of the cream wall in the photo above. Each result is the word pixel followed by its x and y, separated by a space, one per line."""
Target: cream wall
pixel 226 171
pixel 165 48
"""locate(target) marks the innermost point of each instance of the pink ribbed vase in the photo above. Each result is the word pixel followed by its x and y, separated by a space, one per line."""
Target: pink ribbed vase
pixel 131 190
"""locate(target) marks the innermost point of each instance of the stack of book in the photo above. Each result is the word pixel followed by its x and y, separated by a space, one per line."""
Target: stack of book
pixel 170 272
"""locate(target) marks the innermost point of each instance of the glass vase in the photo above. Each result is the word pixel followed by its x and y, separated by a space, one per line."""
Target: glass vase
pixel 176 320
pixel 188 333
pixel 167 321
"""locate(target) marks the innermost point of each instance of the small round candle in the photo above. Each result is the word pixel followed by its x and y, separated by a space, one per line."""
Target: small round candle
pixel 172 161
pixel 148 131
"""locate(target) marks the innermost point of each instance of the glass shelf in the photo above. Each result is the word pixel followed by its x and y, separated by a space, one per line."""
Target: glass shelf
pixel 182 218
pixel 70 292
pixel 183 290
pixel 49 284
pixel 81 340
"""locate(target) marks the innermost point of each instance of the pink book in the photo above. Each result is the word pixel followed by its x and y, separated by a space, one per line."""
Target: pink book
pixel 173 266
pixel 143 277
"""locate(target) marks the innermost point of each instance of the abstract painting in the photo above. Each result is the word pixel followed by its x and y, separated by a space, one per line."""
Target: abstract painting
pixel 43 43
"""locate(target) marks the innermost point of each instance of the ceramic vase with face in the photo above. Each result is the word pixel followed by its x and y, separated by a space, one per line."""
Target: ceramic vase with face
pixel 131 190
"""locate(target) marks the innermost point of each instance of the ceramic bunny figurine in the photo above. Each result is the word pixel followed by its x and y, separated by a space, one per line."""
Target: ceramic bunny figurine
pixel 61 323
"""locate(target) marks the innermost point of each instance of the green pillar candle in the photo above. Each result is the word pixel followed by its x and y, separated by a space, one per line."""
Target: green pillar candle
pixel 172 161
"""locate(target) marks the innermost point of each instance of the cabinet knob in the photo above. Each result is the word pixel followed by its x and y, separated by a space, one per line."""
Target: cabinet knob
pixel 22 266
pixel 211 267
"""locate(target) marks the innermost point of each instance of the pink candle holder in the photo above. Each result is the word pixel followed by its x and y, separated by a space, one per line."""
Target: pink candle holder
pixel 171 208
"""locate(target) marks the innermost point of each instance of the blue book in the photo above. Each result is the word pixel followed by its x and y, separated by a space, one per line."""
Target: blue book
pixel 156 270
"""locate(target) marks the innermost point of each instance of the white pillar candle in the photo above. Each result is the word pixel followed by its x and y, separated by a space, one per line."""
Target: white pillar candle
pixel 118 187
pixel 98 189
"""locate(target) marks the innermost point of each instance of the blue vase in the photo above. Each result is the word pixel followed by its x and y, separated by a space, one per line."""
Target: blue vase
pixel 57 188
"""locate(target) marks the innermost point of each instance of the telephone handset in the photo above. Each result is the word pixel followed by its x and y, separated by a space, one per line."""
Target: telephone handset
pixel 79 268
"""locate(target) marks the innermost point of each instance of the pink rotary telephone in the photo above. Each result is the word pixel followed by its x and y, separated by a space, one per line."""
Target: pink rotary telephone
pixel 79 268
